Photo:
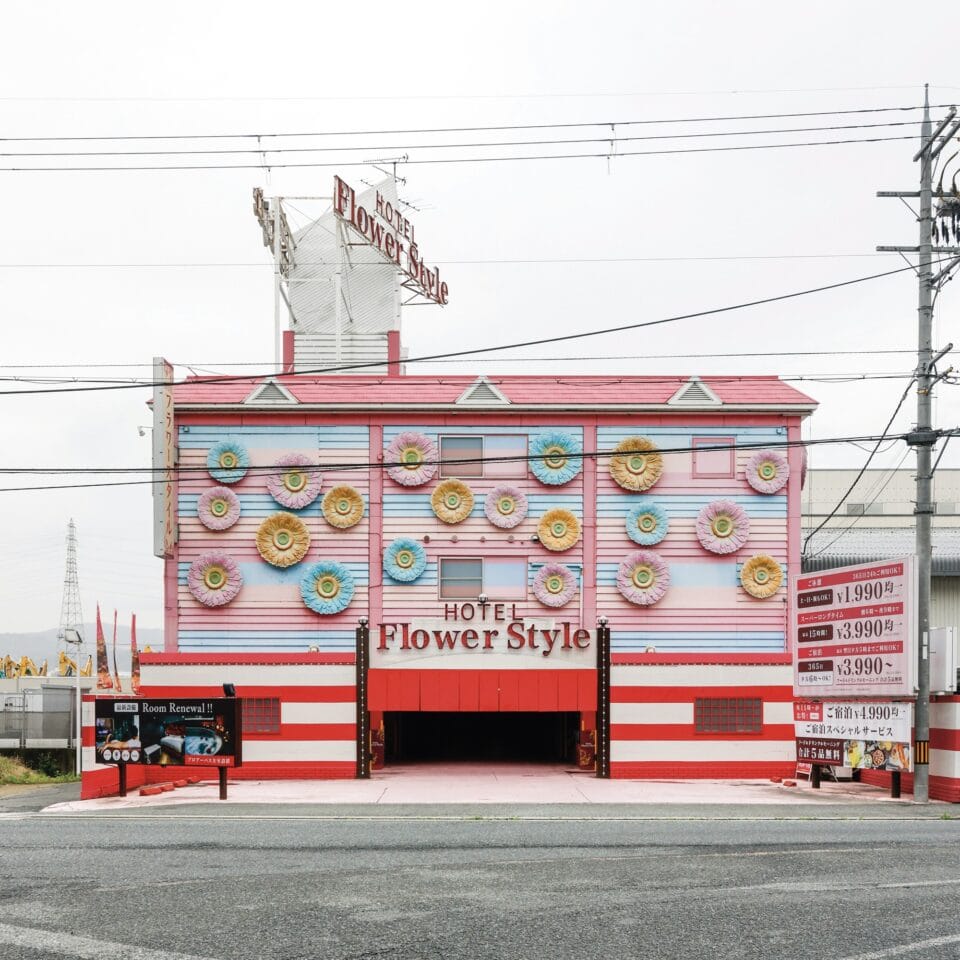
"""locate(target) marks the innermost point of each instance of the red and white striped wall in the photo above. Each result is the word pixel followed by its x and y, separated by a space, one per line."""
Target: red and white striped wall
pixel 317 694
pixel 652 728
pixel 944 781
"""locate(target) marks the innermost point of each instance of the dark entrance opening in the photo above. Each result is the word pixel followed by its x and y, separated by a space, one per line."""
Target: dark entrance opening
pixel 494 737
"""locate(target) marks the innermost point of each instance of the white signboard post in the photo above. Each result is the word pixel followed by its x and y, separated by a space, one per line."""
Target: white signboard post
pixel 854 631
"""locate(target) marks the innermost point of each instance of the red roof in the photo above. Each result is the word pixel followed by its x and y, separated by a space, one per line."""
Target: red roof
pixel 423 392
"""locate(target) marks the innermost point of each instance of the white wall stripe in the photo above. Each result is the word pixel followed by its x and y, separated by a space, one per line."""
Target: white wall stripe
pixel 281 675
pixel 778 712
pixel 707 751
pixel 302 751
pixel 693 675
pixel 651 713
pixel 318 712
pixel 945 763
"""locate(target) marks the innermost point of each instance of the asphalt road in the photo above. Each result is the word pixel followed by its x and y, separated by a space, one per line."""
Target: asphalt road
pixel 203 883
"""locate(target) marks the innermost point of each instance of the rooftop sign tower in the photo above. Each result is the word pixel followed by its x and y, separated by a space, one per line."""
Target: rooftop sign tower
pixel 344 267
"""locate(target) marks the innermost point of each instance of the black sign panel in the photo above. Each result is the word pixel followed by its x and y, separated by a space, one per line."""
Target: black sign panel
pixel 815 598
pixel 169 732
pixel 811 750
pixel 822 633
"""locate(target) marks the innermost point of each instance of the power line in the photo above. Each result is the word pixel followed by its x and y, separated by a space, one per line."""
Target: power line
pixel 267 165
pixel 870 503
pixel 527 261
pixel 199 471
pixel 646 356
pixel 826 376
pixel 478 350
pixel 472 129
pixel 612 139
pixel 863 470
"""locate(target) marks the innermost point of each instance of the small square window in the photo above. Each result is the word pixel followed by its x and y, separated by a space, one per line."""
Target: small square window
pixel 505 456
pixel 261 714
pixel 505 579
pixel 728 715
pixel 714 458
pixel 467 454
pixel 460 579
pixel 466 578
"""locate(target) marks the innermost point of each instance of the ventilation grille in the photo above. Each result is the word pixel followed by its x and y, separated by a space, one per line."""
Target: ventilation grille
pixel 695 393
pixel 484 394
pixel 271 392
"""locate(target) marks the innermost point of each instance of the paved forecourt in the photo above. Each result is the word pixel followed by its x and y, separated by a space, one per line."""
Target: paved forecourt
pixel 486 785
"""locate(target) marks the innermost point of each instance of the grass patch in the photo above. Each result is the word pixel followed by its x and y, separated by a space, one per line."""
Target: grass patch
pixel 13 770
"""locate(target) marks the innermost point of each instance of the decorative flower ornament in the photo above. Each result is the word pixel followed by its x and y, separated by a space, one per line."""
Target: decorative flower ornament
pixel 404 560
pixel 327 587
pixel 294 486
pixel 643 577
pixel 555 458
pixel 214 578
pixel 414 459
pixel 227 461
pixel 343 507
pixel 218 508
pixel 636 465
pixel 761 576
pixel 505 507
pixel 767 471
pixel 558 530
pixel 647 523
pixel 452 501
pixel 283 539
pixel 722 527
pixel 554 585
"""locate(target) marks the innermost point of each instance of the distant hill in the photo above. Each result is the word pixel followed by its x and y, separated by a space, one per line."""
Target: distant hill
pixel 44 645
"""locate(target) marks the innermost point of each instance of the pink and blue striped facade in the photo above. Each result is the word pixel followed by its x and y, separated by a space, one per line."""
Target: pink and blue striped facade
pixel 706 634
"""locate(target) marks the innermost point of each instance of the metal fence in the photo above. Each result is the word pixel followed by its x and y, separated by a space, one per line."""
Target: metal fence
pixel 41 718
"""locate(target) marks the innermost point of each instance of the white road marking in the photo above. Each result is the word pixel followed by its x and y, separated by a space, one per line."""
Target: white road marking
pixel 56 941
pixel 906 948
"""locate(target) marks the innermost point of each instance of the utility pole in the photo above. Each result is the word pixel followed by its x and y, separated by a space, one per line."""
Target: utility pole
pixel 925 437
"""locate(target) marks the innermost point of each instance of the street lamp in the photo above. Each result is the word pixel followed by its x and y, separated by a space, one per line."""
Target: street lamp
pixel 72 635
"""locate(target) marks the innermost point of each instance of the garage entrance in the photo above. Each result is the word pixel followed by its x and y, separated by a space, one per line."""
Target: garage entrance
pixel 503 737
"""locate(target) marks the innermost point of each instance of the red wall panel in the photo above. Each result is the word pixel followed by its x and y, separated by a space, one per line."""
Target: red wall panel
pixel 544 691
pixel 489 687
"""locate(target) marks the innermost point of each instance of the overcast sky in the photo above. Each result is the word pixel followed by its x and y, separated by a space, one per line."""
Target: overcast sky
pixel 530 248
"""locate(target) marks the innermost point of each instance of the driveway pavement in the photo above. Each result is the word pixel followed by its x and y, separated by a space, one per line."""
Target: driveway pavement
pixel 482 786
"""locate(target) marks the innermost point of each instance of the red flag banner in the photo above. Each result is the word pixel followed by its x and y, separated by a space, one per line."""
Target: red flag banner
pixel 103 670
pixel 116 672
pixel 134 657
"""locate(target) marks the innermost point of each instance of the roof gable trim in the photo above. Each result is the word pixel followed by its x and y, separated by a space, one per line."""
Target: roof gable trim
pixel 695 393
pixel 271 393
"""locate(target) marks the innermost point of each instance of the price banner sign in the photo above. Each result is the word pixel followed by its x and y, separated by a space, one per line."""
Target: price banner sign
pixel 854 631
pixel 854 734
